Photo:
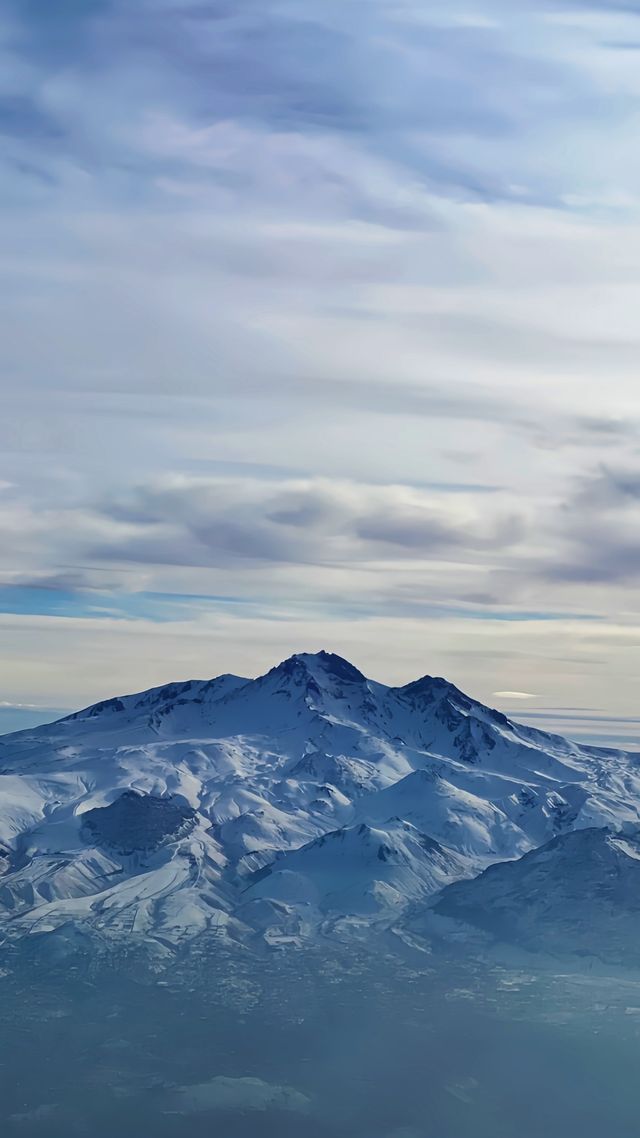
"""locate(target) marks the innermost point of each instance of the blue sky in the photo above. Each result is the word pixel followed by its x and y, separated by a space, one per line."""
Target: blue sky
pixel 319 329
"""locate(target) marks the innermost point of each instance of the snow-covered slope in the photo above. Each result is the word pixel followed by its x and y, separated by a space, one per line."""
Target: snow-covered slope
pixel 579 893
pixel 273 806
pixel 362 870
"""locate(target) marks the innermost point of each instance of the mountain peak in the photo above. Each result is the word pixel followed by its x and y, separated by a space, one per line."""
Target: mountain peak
pixel 430 688
pixel 319 665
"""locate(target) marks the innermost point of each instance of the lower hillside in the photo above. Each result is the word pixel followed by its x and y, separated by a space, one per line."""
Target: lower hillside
pixel 578 894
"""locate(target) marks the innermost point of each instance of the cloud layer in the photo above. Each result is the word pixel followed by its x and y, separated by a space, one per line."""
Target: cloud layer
pixel 321 313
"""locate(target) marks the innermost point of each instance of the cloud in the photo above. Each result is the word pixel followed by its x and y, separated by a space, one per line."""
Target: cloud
pixel 332 310
pixel 4 704
pixel 609 488
pixel 514 695
pixel 315 522
pixel 600 524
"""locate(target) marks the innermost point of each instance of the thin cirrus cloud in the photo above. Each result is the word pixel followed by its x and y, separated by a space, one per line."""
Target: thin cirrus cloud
pixel 328 310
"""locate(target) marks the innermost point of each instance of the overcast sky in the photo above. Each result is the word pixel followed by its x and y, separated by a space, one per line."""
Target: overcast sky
pixel 320 329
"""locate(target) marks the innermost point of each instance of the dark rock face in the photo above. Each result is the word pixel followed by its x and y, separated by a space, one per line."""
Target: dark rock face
pixel 341 669
pixel 138 823
pixel 335 668
pixel 97 709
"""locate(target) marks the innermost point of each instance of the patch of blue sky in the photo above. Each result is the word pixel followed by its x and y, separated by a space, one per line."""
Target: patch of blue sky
pixel 22 718
pixel 429 609
pixel 521 615
pixel 160 607
pixel 26 600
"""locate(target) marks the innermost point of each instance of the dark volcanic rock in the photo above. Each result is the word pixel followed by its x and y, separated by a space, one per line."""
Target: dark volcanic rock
pixel 138 823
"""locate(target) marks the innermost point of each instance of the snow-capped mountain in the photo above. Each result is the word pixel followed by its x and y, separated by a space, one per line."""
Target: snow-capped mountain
pixel 274 808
